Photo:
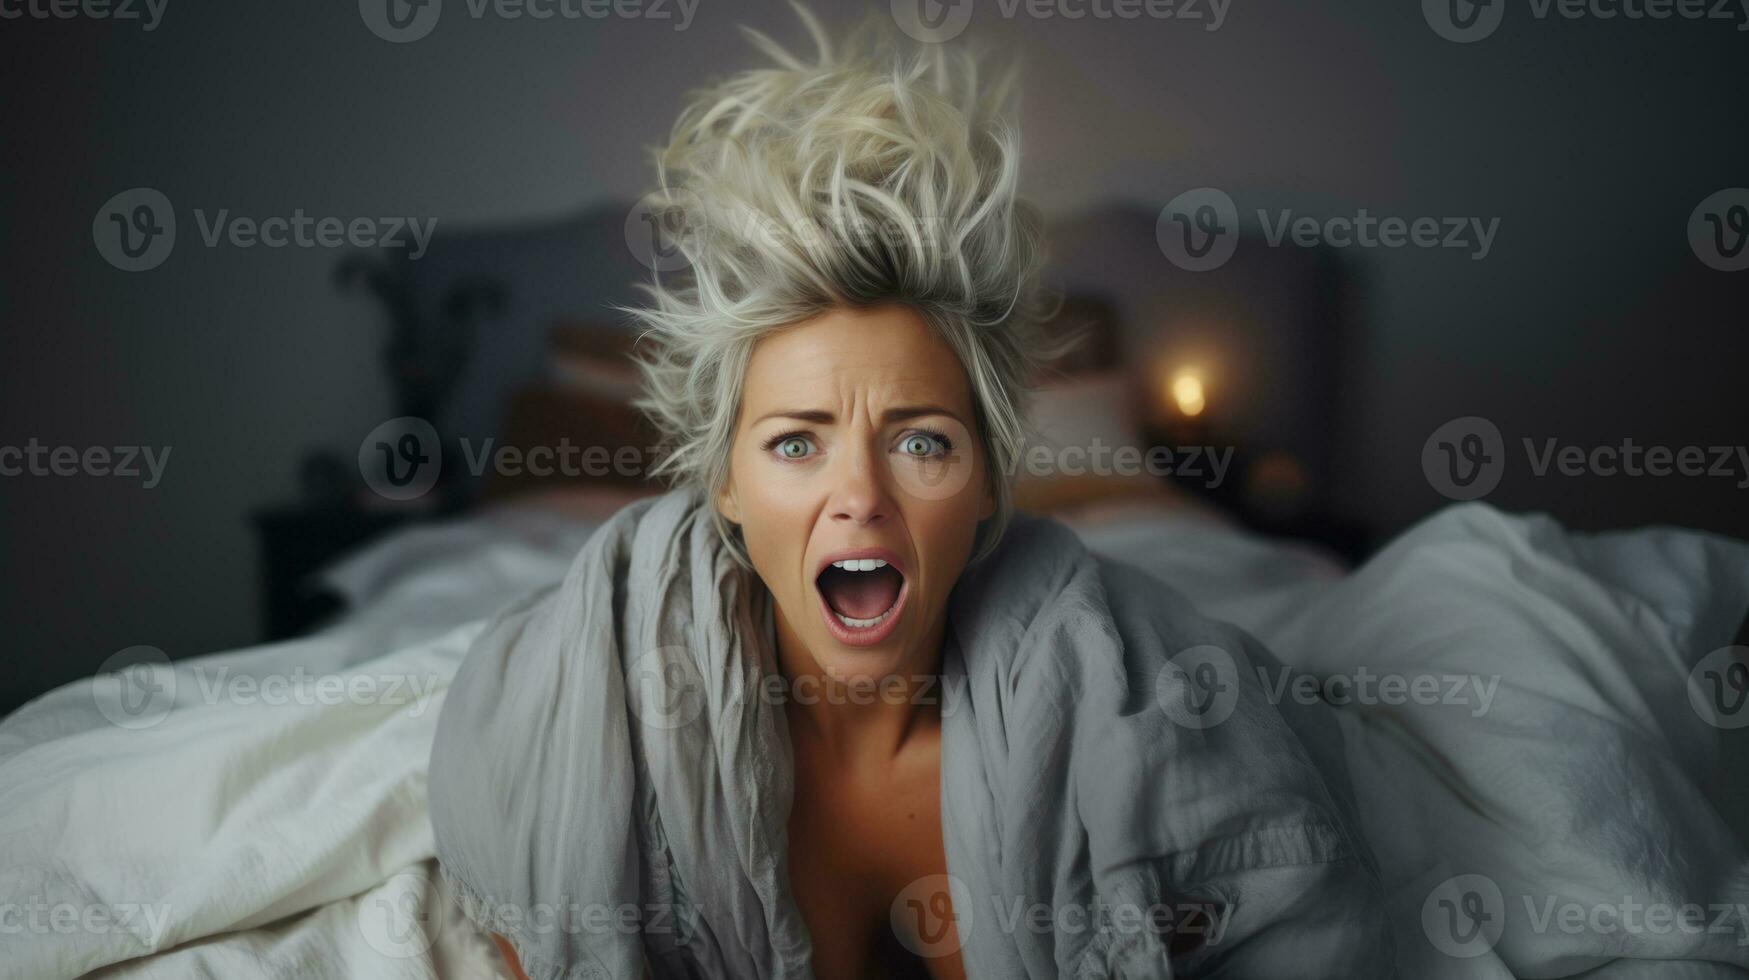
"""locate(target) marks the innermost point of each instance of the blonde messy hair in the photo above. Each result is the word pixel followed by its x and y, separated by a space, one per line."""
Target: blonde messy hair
pixel 884 172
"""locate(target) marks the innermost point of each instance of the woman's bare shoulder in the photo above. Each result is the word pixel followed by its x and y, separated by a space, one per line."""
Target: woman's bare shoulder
pixel 509 955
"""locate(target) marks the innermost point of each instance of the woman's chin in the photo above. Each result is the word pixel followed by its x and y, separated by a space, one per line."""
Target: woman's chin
pixel 860 666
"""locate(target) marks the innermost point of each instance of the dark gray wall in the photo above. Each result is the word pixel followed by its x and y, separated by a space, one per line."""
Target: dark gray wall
pixel 1590 321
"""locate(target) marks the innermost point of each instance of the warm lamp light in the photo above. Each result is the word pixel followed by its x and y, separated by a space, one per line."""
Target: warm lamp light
pixel 1187 393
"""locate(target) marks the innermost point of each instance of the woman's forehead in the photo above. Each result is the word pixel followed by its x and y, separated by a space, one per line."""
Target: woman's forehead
pixel 890 355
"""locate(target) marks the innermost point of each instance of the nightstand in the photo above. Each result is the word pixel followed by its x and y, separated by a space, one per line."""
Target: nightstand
pixel 296 541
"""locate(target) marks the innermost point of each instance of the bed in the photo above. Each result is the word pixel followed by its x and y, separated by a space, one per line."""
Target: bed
pixel 243 837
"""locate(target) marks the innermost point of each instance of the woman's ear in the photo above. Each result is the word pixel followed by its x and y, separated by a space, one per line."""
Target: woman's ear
pixel 726 503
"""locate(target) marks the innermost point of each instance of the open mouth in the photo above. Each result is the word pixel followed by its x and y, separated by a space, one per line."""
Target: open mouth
pixel 861 596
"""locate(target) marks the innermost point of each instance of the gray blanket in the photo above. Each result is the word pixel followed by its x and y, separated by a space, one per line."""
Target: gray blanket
pixel 611 777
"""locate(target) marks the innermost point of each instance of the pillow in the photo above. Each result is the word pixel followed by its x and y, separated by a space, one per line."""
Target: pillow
pixel 1068 463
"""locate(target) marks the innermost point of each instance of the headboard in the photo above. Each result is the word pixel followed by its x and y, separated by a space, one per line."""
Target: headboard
pixel 490 327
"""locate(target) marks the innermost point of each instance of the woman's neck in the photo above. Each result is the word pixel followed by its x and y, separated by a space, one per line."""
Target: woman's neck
pixel 872 719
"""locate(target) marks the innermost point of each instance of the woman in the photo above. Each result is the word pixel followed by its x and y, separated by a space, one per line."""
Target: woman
pixel 816 713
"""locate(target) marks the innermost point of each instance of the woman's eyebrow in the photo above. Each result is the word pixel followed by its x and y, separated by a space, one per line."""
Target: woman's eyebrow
pixel 904 412
pixel 898 413
pixel 814 415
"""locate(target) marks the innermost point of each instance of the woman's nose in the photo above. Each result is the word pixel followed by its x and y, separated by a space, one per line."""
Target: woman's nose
pixel 858 495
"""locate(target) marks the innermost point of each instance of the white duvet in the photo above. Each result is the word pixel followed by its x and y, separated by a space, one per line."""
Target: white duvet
pixel 1548 801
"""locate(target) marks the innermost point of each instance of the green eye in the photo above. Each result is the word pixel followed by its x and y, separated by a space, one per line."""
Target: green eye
pixel 795 447
pixel 919 445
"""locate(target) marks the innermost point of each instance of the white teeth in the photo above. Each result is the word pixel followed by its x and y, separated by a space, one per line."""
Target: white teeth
pixel 861 624
pixel 859 564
